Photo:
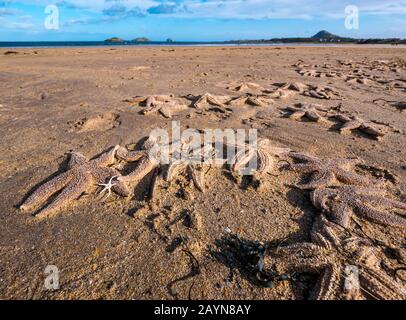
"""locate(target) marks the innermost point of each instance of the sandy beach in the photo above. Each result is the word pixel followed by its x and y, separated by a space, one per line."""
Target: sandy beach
pixel 54 101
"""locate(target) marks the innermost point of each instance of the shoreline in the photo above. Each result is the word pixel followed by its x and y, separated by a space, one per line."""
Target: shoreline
pixel 66 45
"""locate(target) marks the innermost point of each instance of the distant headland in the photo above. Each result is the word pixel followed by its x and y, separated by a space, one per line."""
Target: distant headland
pixel 320 37
pixel 136 40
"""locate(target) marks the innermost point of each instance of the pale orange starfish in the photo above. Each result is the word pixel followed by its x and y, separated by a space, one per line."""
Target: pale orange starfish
pixel 81 176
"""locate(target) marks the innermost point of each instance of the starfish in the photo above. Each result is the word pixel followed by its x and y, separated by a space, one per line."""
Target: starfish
pixel 280 93
pixel 308 110
pixel 208 99
pixel 163 104
pixel 320 92
pixel 348 266
pixel 81 175
pixel 257 101
pixel 343 202
pixel 193 161
pixel 311 73
pixel 147 159
pixel 246 87
pixel 326 172
pixel 295 86
pixel 263 155
pixel 300 64
pixel 362 80
pixel 354 122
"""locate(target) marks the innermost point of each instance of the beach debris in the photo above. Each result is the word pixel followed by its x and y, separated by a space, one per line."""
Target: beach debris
pixel 401 105
pixel 353 122
pixel 325 172
pixel 10 52
pixel 81 175
pixel 348 266
pixel 309 110
pixel 249 257
pixel 341 203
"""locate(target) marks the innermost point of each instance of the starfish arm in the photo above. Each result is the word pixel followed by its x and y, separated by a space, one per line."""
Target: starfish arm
pixel 320 108
pixel 342 118
pixel 214 101
pixel 303 167
pixel 200 102
pixel 350 125
pixel 121 189
pixel 46 190
pixel 71 192
pixel 130 156
pixel 151 101
pixel 319 179
pixel 373 130
pixel 297 115
pixel 313 115
pixel 328 286
pixel 103 174
pixel 166 111
pixel 76 159
pixel 174 168
pixel 303 257
pixel 155 182
pixel 145 166
pixel 293 108
pixel 381 201
pixel 280 152
pixel 303 157
pixel 379 285
pixel 106 158
pixel 265 161
pixel 341 214
pixel 349 177
pixel 241 158
pixel 151 109
pixel 363 191
pixel 326 233
pixel 320 197
pixel 197 177
pixel 238 101
pixel 381 217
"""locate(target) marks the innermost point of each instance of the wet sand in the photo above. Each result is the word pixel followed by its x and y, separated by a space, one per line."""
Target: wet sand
pixel 54 101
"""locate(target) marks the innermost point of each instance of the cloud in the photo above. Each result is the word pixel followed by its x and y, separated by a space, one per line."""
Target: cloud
pixel 121 12
pixel 163 9
pixel 15 25
pixel 8 12
pixel 99 11
pixel 113 13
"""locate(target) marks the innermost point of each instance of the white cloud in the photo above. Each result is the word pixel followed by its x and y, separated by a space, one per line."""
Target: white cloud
pixel 245 9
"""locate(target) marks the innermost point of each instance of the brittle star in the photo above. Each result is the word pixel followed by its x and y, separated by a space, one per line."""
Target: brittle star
pixel 107 186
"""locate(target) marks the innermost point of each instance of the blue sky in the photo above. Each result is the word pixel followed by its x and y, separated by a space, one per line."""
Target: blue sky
pixel 205 20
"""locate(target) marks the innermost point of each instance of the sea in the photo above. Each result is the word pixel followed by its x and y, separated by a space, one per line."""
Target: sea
pixel 55 44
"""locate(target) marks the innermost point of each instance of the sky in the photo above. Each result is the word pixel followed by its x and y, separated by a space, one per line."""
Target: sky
pixel 196 20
